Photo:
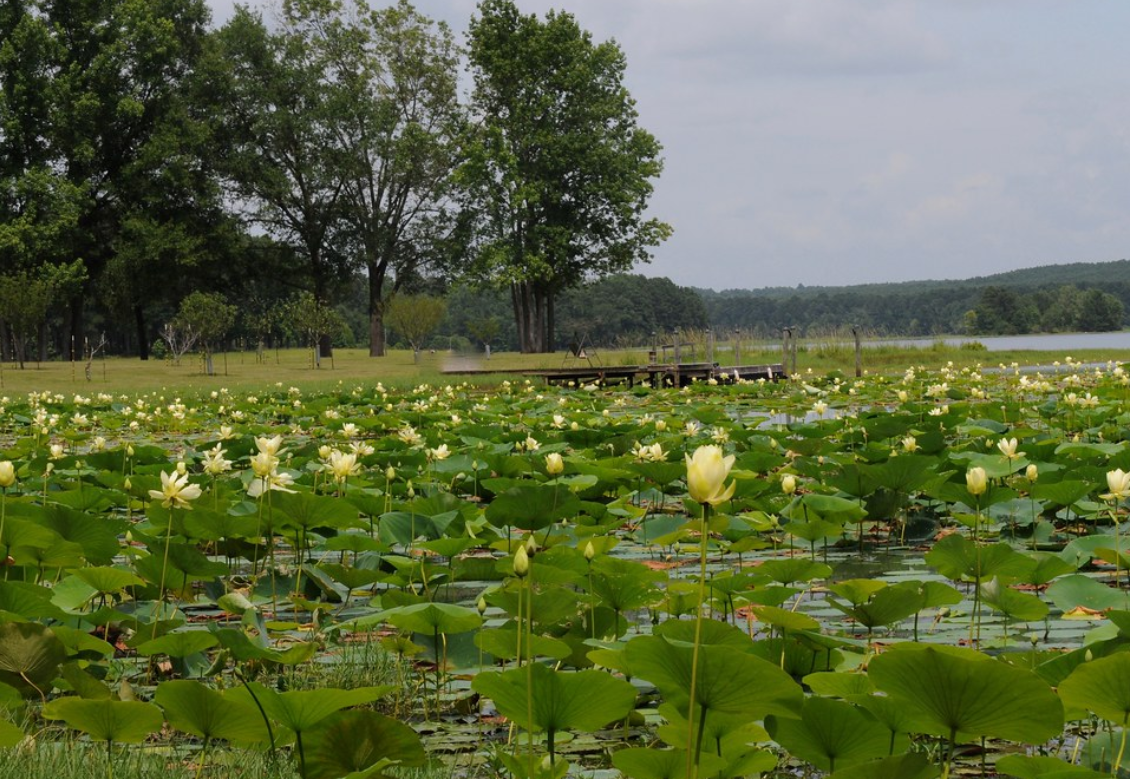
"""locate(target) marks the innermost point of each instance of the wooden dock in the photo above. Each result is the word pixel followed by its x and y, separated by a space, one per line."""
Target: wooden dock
pixel 653 374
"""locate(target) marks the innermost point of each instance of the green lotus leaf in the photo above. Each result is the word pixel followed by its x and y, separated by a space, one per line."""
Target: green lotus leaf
pixel 728 680
pixel 1037 767
pixel 126 722
pixel 831 733
pixel 196 709
pixel 532 507
pixel 360 745
pixel 561 701
pixel 1101 686
pixel 910 765
pixel 30 655
pixel 645 763
pixel 950 691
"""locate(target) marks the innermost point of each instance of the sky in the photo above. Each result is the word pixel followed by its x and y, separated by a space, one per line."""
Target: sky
pixel 837 142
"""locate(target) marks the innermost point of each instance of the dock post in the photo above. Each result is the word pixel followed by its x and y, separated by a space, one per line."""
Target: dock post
pixel 737 347
pixel 710 346
pixel 792 339
pixel 858 352
pixel 678 356
pixel 786 336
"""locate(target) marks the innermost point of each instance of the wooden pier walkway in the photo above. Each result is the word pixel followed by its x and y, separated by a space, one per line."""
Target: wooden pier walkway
pixel 654 374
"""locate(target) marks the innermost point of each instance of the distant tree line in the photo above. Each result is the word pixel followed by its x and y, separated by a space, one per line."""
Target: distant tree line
pixel 1016 302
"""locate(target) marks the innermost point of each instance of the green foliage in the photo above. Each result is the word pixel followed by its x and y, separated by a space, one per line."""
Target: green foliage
pixel 560 169
pixel 415 317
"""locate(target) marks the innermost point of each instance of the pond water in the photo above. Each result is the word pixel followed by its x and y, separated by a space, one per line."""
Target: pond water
pixel 1047 342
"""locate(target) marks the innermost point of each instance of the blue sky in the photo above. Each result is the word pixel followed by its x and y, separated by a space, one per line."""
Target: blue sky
pixel 849 141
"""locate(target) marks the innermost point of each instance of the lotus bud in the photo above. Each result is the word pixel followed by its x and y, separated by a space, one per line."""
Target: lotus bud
pixel 390 473
pixel 574 426
pixel 521 562
pixel 129 450
pixel 127 485
pixel 660 425
pixel 411 489
pixel 590 552
pixel 788 484
pixel 531 545
pixel 1031 472
pixel 1088 657
pixel 182 469
pixel 976 480
pixel 481 605
pixel 554 464
pixel 7 474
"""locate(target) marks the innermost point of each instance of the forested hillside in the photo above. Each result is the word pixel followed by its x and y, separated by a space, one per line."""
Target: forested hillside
pixel 1051 298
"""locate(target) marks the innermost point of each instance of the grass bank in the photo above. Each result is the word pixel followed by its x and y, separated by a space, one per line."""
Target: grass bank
pixel 293 367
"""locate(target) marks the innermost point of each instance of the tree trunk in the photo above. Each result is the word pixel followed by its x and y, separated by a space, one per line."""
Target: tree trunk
pixel 5 342
pixel 539 322
pixel 376 315
pixel 41 342
pixel 325 346
pixel 142 336
pixel 18 342
pixel 550 322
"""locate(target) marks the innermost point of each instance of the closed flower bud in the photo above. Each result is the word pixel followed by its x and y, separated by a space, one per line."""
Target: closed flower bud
pixel 7 474
pixel 1031 472
pixel 521 562
pixel 788 484
pixel 554 464
pixel 976 481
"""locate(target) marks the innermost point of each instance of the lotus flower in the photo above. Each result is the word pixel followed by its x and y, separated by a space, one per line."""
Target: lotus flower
pixel 175 492
pixel 707 470
pixel 1119 485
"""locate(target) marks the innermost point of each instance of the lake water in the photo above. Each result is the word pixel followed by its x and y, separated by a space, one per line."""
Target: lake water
pixel 1045 342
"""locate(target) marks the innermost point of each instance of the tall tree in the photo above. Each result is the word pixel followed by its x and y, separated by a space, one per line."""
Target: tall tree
pixel 559 167
pixel 94 100
pixel 281 107
pixel 401 129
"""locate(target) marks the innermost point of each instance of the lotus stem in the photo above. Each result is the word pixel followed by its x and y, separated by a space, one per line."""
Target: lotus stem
pixel 1121 747
pixel 692 754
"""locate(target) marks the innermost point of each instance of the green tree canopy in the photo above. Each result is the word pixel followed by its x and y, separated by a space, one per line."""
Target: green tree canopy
pixel 559 170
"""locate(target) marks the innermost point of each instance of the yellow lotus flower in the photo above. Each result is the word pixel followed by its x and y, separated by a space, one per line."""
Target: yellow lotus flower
pixel 270 446
pixel 1031 473
pixel 1119 485
pixel 707 470
pixel 1007 447
pixel 214 462
pixel 7 474
pixel 342 465
pixel 976 480
pixel 554 464
pixel 175 491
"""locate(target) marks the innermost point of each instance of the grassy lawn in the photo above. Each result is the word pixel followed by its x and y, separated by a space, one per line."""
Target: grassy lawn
pixel 293 367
